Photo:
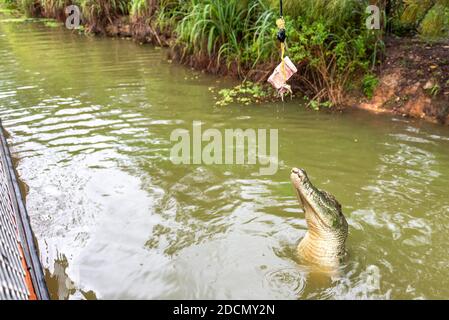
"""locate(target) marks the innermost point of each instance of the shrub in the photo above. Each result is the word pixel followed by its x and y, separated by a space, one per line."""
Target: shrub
pixel 332 13
pixel 331 55
pixel 369 84
pixel 435 24
pixel 429 17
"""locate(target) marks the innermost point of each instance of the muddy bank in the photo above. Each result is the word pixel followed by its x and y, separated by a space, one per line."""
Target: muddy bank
pixel 138 29
pixel 413 81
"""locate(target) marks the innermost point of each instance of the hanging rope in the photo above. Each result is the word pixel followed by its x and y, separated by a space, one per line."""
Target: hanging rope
pixel 282 36
pixel 281 74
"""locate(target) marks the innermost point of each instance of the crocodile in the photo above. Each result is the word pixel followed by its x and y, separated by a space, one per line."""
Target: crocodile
pixel 324 241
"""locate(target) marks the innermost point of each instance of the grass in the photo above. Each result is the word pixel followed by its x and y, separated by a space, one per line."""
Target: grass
pixel 237 33
pixel 143 8
pixel 31 8
pixel 99 13
pixel 54 8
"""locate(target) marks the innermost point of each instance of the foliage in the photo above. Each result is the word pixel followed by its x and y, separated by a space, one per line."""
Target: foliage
pixel 167 14
pixel 54 8
pixel 8 3
pixel 317 105
pixel 336 13
pixel 234 31
pixel 327 37
pixel 436 22
pixel 142 8
pixel 434 89
pixel 429 17
pixel 31 8
pixel 100 12
pixel 369 84
pixel 9 7
pixel 331 58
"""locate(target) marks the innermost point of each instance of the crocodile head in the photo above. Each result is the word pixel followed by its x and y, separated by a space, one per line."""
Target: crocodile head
pixel 321 208
pixel 327 227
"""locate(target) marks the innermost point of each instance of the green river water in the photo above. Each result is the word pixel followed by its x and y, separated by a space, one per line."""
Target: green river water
pixel 90 120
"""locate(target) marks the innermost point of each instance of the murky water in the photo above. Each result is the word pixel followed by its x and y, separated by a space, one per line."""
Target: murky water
pixel 90 122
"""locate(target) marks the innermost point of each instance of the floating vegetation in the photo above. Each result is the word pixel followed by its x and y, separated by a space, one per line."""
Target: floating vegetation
pixel 245 93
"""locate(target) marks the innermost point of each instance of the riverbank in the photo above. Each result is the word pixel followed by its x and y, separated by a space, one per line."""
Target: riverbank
pixel 413 81
pixel 337 70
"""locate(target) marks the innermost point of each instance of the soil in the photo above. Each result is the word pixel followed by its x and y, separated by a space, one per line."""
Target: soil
pixel 414 81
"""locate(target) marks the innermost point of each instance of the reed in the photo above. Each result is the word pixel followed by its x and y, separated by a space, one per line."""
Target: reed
pixel 31 8
pixel 237 33
pixel 54 8
pixel 99 13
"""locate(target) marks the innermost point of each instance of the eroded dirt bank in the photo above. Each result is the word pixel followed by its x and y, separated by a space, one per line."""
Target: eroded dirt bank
pixel 413 81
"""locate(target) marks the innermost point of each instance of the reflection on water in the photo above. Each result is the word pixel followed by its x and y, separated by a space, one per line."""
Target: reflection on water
pixel 90 122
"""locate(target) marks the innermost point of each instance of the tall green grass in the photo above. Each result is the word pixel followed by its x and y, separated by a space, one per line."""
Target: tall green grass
pixel 99 13
pixel 31 8
pixel 234 32
pixel 54 8
pixel 167 15
pixel 142 8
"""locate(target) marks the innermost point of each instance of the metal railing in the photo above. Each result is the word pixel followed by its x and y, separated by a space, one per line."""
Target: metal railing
pixel 21 275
